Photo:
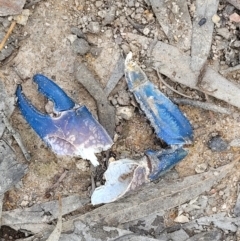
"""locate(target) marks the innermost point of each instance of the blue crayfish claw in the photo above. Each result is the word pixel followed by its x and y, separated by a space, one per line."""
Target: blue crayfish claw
pixel 168 121
pixel 73 132
pixel 162 161
pixel 126 175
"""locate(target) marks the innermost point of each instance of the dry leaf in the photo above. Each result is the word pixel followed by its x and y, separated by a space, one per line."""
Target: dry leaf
pixel 174 18
pixel 106 112
pixel 41 214
pixel 165 58
pixel 6 105
pixel 11 171
pixel 202 34
pixel 153 198
pixel 55 235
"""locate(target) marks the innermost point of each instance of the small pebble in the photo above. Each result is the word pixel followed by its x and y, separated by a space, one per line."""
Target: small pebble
pixel 123 98
pixel 146 31
pixel 224 206
pixel 94 27
pixel 49 107
pixel 235 143
pixel 23 18
pixel 111 159
pixel 98 4
pixel 114 101
pixel 214 209
pixel 221 193
pixel 125 112
pixel 181 219
pixel 72 38
pixel 201 168
pixel 234 18
pixel 80 46
pixel 24 203
pixel 216 18
pixel 77 31
pixel 217 144
pixel 236 44
pixel 224 32
pixel 82 165
pixel 125 48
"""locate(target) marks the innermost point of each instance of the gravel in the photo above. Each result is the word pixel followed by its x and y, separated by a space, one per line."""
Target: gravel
pixel 94 27
pixel 80 46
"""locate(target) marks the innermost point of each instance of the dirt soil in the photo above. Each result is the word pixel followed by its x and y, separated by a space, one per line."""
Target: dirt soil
pixel 45 46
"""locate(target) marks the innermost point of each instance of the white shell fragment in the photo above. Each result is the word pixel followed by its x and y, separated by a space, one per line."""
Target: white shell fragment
pixel 121 177
pixel 181 219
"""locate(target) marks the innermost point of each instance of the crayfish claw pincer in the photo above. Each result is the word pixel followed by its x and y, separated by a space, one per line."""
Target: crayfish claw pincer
pixel 166 118
pixel 73 132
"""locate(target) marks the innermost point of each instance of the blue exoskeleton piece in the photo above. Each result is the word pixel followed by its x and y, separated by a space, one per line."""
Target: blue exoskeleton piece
pixel 166 118
pixel 168 121
pixel 73 132
pixel 126 175
pixel 169 124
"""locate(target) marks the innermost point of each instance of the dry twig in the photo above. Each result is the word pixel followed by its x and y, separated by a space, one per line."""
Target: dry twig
pixel 203 105
pixel 63 175
pixel 170 87
pixel 2 44
pixel 137 26
pixel 16 136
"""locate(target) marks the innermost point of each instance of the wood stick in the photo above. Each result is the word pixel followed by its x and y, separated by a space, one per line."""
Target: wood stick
pixel 203 105
pixel 2 44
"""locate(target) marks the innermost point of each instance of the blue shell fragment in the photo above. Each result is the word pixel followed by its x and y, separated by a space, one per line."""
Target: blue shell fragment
pixel 168 121
pixel 54 93
pixel 127 175
pixel 73 132
pixel 170 125
pixel 164 160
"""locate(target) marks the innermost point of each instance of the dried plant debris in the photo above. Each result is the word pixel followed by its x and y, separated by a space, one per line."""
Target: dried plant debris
pixel 125 175
pixel 6 106
pixel 166 58
pixel 11 171
pixel 36 218
pixel 1 205
pixel 174 18
pixel 11 7
pixel 235 3
pixel 16 136
pixel 218 220
pixel 97 232
pixel 154 198
pixel 116 75
pixel 237 206
pixel 203 105
pixel 6 109
pixel 106 112
pixel 202 32
pixel 207 236
pixel 55 235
